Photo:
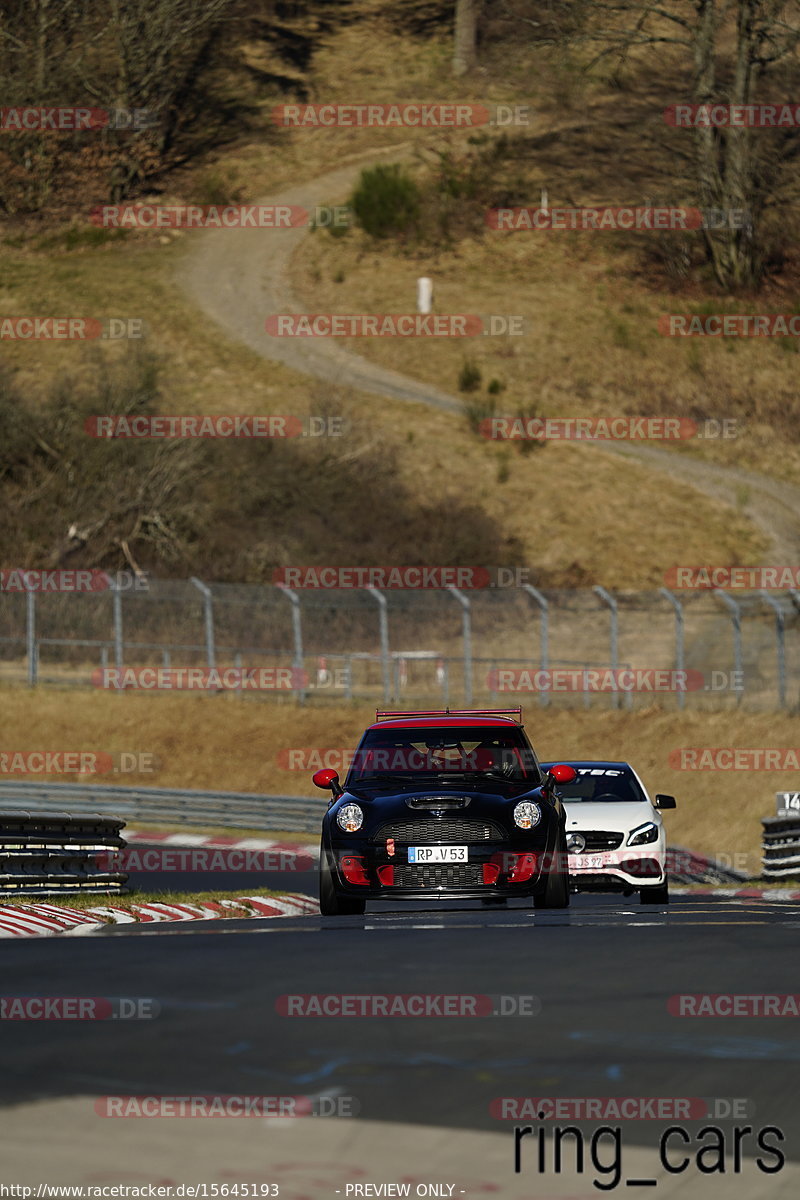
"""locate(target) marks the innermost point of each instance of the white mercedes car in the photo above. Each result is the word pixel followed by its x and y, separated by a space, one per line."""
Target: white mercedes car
pixel 615 834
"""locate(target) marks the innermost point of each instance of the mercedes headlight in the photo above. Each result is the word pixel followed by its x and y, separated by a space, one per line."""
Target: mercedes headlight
pixel 527 814
pixel 643 834
pixel 350 818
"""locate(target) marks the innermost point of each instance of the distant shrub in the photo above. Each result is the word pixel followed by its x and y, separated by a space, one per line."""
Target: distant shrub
pixel 469 377
pixel 477 410
pixel 386 202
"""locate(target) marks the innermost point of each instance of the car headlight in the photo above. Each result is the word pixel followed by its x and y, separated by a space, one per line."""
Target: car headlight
pixel 527 814
pixel 643 834
pixel 350 818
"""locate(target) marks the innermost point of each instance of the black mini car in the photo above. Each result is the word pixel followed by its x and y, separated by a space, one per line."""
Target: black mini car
pixel 449 805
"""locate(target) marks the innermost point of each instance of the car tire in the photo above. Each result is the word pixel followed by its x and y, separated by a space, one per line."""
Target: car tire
pixel 556 890
pixel 331 902
pixel 655 895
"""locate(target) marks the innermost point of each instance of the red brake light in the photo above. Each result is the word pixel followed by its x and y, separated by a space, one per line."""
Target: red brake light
pixel 386 875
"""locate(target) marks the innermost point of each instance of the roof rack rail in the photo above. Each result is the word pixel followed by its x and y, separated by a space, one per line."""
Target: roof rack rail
pixel 383 714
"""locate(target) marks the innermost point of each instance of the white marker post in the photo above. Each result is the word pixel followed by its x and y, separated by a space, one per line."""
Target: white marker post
pixel 424 295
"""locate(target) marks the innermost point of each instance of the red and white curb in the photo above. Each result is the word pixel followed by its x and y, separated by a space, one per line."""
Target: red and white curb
pixel 750 893
pixel 48 920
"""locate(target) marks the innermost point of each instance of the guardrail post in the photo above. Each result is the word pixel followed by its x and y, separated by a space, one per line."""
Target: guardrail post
pixel 119 646
pixel 30 637
pixel 208 618
pixel 679 626
pixel 780 643
pixel 466 625
pixel 383 625
pixel 735 610
pixel 297 632
pixel 614 635
pixel 544 634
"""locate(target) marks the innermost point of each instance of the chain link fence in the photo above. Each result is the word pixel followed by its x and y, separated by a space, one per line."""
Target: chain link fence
pixel 581 647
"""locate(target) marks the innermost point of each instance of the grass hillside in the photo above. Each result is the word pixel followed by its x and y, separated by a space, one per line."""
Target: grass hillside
pixel 442 495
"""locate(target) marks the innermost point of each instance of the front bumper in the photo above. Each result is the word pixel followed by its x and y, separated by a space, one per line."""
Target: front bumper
pixel 501 870
pixel 626 868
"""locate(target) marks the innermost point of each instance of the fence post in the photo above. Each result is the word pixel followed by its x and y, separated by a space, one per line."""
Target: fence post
pixel 297 631
pixel 679 653
pixel 119 647
pixel 466 625
pixel 614 637
pixel 383 625
pixel 734 609
pixel 544 634
pixel 208 615
pixel 30 636
pixel 780 643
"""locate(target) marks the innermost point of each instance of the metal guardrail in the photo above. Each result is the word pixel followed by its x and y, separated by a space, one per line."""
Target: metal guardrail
pixel 170 806
pixel 781 839
pixel 684 866
pixel 55 853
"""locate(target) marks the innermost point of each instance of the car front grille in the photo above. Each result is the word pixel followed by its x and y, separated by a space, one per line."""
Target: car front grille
pixel 598 839
pixel 438 875
pixel 450 830
pixel 587 882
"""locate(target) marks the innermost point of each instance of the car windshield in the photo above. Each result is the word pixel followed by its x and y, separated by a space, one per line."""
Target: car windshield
pixel 604 784
pixel 457 752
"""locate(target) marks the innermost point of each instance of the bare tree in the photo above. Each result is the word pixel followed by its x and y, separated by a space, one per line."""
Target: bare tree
pixel 466 35
pixel 728 46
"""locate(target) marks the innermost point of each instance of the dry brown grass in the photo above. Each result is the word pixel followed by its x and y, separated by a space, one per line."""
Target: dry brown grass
pixel 224 744
pixel 590 346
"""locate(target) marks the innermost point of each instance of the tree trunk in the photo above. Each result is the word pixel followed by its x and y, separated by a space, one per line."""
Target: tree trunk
pixel 466 36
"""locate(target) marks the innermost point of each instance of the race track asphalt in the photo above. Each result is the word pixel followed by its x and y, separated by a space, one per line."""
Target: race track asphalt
pixel 602 972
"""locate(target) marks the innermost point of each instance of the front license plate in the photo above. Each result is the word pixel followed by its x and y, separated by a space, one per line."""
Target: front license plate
pixel 588 862
pixel 438 854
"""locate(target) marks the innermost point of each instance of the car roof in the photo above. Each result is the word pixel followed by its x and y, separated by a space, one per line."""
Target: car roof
pixel 587 762
pixel 447 722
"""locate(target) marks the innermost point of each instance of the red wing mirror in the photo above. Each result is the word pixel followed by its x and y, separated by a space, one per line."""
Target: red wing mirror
pixel 325 778
pixel 561 772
